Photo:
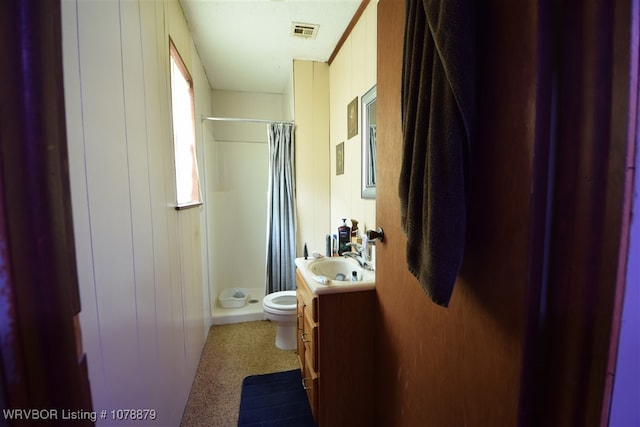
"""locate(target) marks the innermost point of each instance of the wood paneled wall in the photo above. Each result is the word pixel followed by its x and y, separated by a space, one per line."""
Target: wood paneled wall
pixel 139 260
pixel 352 73
pixel 313 191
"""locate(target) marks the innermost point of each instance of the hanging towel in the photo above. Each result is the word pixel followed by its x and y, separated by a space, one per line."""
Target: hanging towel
pixel 438 105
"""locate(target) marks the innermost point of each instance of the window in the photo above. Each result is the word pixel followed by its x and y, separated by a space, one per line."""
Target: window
pixel 184 138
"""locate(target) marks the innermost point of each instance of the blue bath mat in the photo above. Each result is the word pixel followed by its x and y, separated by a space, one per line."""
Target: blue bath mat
pixel 277 399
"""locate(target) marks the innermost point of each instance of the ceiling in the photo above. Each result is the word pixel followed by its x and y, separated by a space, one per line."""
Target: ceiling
pixel 246 45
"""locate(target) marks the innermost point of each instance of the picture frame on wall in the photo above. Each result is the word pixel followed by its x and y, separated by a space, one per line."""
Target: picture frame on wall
pixel 352 118
pixel 340 158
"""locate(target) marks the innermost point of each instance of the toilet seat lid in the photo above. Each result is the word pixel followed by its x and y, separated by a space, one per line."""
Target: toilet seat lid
pixel 282 300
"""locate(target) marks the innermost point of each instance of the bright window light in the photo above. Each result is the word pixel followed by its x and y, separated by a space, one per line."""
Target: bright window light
pixel 184 141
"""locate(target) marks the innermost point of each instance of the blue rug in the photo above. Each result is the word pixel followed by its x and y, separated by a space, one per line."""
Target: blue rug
pixel 276 399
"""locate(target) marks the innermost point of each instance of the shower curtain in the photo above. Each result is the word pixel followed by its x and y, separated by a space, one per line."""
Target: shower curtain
pixel 281 213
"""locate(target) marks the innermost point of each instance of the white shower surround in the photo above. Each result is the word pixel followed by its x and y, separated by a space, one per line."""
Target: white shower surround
pixel 236 166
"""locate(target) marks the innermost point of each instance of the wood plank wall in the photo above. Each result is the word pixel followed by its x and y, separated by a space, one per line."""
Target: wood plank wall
pixel 139 260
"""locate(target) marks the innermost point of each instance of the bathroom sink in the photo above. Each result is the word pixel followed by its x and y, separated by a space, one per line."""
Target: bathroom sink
pixel 330 275
pixel 339 269
pixel 335 274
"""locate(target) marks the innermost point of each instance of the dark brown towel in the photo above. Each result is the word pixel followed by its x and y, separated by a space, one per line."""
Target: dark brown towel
pixel 438 104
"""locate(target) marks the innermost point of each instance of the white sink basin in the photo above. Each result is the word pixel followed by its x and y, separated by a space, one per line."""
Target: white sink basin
pixel 328 275
pixel 340 270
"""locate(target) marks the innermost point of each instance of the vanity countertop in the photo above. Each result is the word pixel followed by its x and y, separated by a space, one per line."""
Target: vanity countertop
pixel 333 286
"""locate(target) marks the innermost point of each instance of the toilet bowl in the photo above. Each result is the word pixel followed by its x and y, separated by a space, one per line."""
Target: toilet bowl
pixel 280 308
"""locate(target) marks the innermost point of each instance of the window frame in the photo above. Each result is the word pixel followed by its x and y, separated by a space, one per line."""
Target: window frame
pixel 175 57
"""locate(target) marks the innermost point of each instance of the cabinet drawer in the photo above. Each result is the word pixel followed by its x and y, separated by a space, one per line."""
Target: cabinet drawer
pixel 304 294
pixel 310 384
pixel 309 337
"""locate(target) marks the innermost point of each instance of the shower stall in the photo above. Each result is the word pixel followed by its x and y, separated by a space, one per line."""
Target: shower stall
pixel 235 190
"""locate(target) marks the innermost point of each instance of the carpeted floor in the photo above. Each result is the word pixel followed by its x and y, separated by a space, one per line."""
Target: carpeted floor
pixel 231 353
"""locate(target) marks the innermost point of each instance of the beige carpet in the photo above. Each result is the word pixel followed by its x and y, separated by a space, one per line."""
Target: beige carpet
pixel 231 353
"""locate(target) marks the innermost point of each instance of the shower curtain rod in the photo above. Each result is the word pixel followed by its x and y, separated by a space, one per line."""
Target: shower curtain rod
pixel 232 119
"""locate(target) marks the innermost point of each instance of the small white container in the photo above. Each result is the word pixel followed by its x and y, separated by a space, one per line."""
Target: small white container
pixel 233 297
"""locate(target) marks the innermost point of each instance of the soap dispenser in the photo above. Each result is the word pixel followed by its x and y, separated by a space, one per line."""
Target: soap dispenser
pixel 344 237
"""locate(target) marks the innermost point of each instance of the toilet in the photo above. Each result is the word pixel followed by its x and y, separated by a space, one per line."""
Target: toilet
pixel 280 308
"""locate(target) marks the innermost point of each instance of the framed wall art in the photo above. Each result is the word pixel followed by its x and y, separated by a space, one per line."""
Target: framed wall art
pixel 352 118
pixel 340 158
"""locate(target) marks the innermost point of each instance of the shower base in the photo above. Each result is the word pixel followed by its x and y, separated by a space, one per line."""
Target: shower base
pixel 252 311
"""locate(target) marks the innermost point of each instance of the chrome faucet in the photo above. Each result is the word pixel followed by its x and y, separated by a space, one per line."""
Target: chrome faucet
pixel 361 254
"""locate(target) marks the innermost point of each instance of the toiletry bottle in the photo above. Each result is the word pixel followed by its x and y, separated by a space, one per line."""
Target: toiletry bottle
pixel 354 231
pixel 344 237
pixel 327 245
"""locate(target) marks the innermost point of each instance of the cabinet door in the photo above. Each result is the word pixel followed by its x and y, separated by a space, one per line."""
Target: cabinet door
pixel 310 339
pixel 300 329
pixel 310 384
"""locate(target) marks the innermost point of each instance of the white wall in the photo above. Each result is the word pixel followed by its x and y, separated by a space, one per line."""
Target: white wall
pixel 351 74
pixel 287 99
pixel 237 165
pixel 139 260
pixel 313 197
pixel 322 93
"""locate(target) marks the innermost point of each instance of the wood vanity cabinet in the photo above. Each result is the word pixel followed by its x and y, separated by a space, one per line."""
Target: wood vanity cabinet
pixel 335 351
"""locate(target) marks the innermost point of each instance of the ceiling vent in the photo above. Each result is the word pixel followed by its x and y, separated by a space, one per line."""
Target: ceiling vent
pixel 305 31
